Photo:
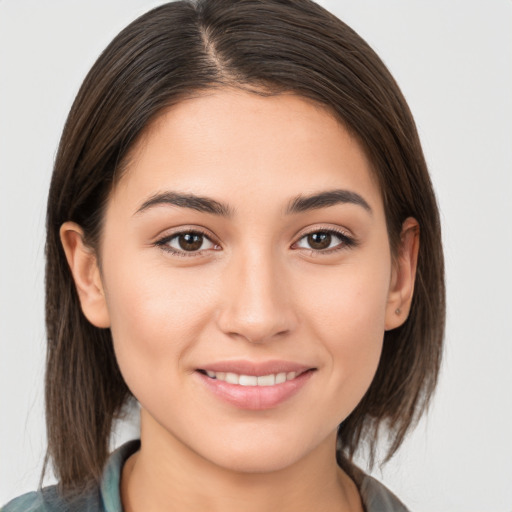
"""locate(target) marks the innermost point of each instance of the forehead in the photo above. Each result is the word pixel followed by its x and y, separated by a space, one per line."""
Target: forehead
pixel 229 141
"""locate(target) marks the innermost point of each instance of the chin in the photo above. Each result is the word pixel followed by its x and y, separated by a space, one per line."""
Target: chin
pixel 264 452
pixel 255 461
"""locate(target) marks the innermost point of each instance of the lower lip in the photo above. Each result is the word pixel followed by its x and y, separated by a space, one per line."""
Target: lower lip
pixel 255 398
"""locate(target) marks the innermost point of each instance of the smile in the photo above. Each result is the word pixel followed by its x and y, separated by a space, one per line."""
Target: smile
pixel 252 386
pixel 253 380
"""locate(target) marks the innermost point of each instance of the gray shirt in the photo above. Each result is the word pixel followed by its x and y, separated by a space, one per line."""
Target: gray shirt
pixel 106 496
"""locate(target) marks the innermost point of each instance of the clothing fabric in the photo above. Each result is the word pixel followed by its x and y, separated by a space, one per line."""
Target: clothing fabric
pixel 106 497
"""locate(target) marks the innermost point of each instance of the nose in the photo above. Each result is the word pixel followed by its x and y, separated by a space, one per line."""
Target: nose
pixel 257 302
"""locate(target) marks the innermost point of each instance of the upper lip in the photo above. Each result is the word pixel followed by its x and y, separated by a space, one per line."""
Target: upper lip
pixel 256 368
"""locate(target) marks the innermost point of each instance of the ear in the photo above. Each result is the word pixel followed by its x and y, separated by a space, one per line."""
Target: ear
pixel 403 275
pixel 84 267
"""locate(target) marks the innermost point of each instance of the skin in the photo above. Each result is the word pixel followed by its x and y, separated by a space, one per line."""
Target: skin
pixel 257 292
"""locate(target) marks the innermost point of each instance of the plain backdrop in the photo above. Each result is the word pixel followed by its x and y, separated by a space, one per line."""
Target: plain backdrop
pixel 453 61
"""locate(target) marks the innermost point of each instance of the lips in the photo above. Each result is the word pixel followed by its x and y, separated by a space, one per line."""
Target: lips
pixel 254 386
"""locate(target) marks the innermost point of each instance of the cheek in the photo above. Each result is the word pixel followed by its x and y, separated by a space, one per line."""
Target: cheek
pixel 350 299
pixel 347 315
pixel 156 316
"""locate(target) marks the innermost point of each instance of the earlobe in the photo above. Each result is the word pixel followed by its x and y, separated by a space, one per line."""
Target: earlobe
pixel 84 267
pixel 403 275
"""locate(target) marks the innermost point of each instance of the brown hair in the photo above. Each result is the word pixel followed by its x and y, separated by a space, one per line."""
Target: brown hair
pixel 269 47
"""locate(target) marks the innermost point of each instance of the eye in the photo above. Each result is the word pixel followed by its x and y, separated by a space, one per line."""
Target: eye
pixel 324 240
pixel 186 242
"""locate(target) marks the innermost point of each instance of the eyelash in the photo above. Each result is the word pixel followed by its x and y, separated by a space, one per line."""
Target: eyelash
pixel 346 242
pixel 163 242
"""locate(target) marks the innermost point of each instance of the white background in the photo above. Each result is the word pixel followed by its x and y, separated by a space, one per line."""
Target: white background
pixel 453 60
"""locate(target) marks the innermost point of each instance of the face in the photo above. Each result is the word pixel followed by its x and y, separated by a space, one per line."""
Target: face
pixel 247 277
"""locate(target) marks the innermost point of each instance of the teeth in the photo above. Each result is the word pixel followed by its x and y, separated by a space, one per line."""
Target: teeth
pixel 232 378
pixel 248 380
pixel 266 380
pixel 252 380
pixel 280 378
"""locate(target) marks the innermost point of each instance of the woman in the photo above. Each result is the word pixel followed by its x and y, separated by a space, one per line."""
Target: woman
pixel 238 229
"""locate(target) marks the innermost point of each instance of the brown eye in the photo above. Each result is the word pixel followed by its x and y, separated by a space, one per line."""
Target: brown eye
pixel 320 240
pixel 324 241
pixel 190 241
pixel 186 242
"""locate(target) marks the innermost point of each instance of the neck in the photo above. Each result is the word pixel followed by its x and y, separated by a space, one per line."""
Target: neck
pixel 165 475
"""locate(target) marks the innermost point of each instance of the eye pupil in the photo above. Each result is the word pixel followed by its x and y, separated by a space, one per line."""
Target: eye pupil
pixel 190 241
pixel 320 240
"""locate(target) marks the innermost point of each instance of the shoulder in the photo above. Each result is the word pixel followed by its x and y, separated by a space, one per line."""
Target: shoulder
pixel 101 497
pixel 378 498
pixel 49 500
pixel 26 502
pixel 375 496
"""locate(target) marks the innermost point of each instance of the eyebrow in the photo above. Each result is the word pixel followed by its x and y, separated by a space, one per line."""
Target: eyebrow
pixel 298 204
pixel 325 199
pixel 199 203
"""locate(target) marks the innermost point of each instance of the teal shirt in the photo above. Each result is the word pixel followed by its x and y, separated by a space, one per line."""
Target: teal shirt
pixel 106 497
